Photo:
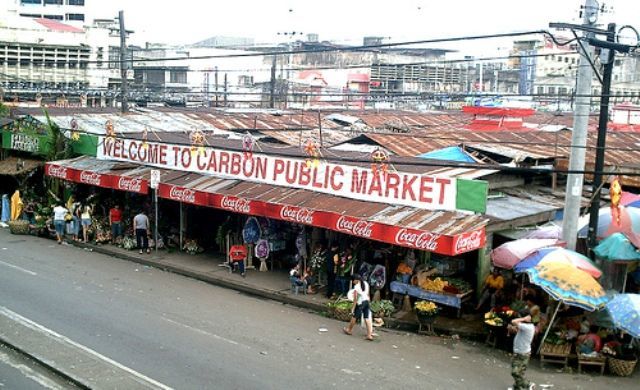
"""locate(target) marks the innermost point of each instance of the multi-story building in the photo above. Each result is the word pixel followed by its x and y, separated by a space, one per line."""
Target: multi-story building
pixel 73 12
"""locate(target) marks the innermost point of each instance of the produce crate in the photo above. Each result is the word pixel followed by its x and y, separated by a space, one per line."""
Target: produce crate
pixel 19 227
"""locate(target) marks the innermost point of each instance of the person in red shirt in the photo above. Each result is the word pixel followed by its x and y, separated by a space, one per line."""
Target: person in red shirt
pixel 115 220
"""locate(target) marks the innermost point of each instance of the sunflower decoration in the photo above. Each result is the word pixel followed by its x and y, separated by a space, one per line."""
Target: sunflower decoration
pixel 312 150
pixel 615 191
pixel 379 161
pixel 145 138
pixel 248 142
pixel 197 142
pixel 110 130
pixel 75 134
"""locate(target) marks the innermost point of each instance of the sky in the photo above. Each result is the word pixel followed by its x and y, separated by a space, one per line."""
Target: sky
pixel 347 21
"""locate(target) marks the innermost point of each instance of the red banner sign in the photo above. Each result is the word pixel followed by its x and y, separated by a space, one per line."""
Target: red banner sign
pixel 182 194
pixel 122 183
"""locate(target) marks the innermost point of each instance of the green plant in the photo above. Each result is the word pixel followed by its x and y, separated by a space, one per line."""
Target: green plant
pixel 383 306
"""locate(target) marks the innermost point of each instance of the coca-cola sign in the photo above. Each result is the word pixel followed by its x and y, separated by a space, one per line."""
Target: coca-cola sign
pixel 58 171
pixel 416 239
pixel 297 214
pixel 182 194
pixel 238 205
pixel 92 178
pixel 356 227
pixel 468 242
pixel 130 184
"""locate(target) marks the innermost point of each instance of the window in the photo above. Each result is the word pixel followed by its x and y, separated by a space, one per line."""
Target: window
pixel 562 91
pixel 540 90
pixel 59 2
pixel 179 77
pixel 54 17
pixel 75 2
pixel 31 2
pixel 552 90
pixel 79 17
pixel 31 15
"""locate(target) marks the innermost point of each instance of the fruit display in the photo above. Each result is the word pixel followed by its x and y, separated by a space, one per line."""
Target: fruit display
pixel 435 285
pixel 404 269
pixel 493 319
pixel 460 284
pixel 426 307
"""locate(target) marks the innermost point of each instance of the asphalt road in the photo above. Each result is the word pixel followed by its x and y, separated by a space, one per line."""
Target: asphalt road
pixel 186 334
pixel 19 372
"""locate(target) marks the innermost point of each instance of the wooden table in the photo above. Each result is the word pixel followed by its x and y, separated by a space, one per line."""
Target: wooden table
pixel 551 353
pixel 598 361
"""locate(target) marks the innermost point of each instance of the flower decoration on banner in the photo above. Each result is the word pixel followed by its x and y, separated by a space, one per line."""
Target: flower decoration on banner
pixel 379 161
pixel 111 132
pixel 145 138
pixel 312 150
pixel 615 191
pixel 197 142
pixel 248 143
pixel 75 135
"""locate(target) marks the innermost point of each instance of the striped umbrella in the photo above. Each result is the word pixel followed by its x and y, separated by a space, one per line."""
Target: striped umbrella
pixel 559 255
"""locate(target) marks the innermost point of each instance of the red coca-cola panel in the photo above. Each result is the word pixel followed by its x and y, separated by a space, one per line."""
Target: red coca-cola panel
pixel 59 171
pixel 234 204
pixel 182 194
pixel 94 179
pixel 131 184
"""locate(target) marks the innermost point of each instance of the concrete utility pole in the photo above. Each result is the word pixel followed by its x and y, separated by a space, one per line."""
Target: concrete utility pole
pixel 272 86
pixel 575 181
pixel 124 87
pixel 216 84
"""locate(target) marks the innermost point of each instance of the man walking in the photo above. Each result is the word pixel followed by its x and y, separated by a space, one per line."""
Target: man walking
pixel 331 262
pixel 115 221
pixel 141 227
pixel 525 331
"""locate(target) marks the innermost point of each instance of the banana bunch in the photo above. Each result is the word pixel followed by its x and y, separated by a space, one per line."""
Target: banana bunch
pixel 436 285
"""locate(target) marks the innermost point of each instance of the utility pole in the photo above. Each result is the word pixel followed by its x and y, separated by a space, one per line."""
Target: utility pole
pixel 225 89
pixel 272 92
pixel 124 87
pixel 206 88
pixel 608 60
pixel 215 79
pixel 575 181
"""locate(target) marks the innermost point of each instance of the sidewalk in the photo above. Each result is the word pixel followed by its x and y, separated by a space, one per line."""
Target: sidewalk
pixel 273 284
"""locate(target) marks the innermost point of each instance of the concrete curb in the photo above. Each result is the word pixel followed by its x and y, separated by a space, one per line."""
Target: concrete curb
pixel 41 362
pixel 390 323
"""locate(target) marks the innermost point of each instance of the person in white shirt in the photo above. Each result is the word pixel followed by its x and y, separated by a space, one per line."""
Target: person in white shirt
pixel 142 229
pixel 525 330
pixel 360 307
pixel 59 215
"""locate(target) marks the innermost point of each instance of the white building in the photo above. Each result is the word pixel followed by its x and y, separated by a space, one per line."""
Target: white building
pixel 72 12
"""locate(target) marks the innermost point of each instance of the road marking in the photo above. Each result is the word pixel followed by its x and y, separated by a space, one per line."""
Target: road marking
pixel 204 332
pixel 54 335
pixel 19 268
pixel 29 373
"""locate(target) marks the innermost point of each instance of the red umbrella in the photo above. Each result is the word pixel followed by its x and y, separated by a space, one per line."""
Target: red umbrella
pixel 511 253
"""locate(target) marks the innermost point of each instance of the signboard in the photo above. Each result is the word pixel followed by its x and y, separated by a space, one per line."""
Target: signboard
pixel 430 192
pixel 25 143
pixel 155 178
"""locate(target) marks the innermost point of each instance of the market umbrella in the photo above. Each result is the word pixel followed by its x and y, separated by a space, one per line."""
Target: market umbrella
pixel 627 221
pixel 16 205
pixel 624 310
pixel 618 248
pixel 511 253
pixel 630 199
pixel 568 284
pixel 559 255
pixel 546 232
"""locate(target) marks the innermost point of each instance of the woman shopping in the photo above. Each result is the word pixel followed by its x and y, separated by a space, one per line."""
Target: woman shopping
pixel 85 217
pixel 360 307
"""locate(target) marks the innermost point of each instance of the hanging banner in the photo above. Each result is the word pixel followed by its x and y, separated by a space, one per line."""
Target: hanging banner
pixel 429 192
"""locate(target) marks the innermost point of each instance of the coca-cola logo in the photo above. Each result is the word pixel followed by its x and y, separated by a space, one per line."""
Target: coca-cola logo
pixel 182 194
pixel 468 242
pixel 58 171
pixel 237 205
pixel 355 227
pixel 90 178
pixel 297 214
pixel 419 240
pixel 130 184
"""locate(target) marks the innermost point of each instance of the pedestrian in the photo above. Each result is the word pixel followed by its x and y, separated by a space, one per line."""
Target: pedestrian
pixel 331 262
pixel 493 285
pixel 525 330
pixel 59 215
pixel 75 219
pixel 85 218
pixel 141 227
pixel 115 221
pixel 360 308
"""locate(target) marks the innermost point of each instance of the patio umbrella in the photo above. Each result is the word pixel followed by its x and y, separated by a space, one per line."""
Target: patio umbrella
pixel 630 199
pixel 624 310
pixel 559 255
pixel 628 223
pixel 618 248
pixel 567 284
pixel 511 253
pixel 546 232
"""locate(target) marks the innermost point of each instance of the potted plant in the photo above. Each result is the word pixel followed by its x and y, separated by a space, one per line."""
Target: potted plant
pixel 382 308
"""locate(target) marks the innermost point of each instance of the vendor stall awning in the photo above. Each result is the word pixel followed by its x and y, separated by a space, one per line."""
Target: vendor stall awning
pixel 444 232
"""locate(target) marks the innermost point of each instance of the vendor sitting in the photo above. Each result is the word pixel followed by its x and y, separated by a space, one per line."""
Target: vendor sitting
pixel 493 285
pixel 296 278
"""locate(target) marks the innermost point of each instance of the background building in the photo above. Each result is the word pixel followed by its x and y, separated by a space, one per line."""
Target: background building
pixel 73 12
